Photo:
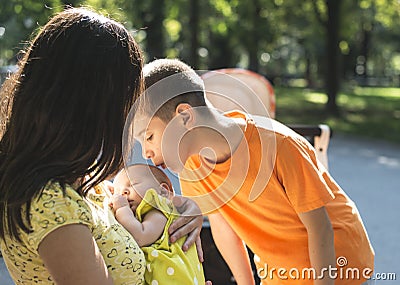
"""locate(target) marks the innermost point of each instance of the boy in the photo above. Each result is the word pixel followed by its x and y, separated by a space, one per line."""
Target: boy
pixel 141 203
pixel 259 182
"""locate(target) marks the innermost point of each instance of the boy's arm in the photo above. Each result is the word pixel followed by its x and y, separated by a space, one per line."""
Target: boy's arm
pixel 320 243
pixel 189 224
pixel 145 232
pixel 232 249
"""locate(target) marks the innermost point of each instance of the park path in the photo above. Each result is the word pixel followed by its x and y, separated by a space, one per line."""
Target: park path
pixel 369 171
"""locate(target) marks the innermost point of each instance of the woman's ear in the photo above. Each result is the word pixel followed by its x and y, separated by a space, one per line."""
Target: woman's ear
pixel 186 112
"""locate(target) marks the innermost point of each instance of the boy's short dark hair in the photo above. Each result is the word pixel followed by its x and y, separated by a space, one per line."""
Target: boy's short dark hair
pixel 168 83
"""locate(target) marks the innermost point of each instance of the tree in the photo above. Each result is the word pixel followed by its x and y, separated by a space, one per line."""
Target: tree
pixel 380 45
pixel 280 38
pixel 369 44
pixel 252 30
pixel 194 12
pixel 19 18
pixel 153 22
pixel 221 22
pixel 332 25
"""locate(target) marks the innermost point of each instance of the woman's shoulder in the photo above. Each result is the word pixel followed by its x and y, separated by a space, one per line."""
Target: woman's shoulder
pixel 55 206
pixel 55 189
pixel 55 196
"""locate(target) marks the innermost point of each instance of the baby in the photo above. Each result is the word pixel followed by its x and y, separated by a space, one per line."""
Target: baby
pixel 142 204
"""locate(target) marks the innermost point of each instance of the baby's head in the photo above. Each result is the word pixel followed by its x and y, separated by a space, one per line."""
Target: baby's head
pixel 136 179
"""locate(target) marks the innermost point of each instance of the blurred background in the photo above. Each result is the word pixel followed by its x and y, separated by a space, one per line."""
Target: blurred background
pixel 331 61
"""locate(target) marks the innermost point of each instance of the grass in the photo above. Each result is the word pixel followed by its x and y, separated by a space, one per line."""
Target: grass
pixel 370 112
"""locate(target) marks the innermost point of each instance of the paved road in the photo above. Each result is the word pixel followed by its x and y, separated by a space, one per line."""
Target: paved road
pixel 369 171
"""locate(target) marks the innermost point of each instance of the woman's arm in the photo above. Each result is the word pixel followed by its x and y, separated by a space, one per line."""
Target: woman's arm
pixel 232 249
pixel 320 243
pixel 72 257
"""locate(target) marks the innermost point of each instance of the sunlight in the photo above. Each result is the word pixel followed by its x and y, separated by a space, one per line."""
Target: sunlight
pixel 382 92
pixel 318 98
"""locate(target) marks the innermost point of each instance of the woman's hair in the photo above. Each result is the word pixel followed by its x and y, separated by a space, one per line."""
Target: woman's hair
pixel 64 110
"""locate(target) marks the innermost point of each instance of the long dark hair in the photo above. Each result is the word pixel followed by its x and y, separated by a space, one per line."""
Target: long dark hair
pixel 64 110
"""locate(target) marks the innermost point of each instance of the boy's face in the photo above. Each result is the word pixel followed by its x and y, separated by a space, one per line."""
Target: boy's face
pixel 150 132
pixel 134 186
pixel 161 142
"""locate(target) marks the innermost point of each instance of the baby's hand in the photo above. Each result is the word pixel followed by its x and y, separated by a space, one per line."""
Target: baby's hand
pixel 118 201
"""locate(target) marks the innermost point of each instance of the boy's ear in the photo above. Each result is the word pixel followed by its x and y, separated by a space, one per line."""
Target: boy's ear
pixel 187 114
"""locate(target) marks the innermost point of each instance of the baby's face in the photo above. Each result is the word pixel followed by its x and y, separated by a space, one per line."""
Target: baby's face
pixel 135 186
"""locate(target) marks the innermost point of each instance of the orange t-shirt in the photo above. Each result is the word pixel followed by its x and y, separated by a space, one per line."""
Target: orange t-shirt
pixel 271 177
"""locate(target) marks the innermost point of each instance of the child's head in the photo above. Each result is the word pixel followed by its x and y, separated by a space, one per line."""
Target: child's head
pixel 168 83
pixel 173 92
pixel 136 179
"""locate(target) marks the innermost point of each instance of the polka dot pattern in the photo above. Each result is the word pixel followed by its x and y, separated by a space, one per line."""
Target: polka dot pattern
pixel 170 271
pixel 167 263
pixel 154 253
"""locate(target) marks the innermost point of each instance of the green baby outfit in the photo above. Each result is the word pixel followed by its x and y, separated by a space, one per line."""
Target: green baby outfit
pixel 167 263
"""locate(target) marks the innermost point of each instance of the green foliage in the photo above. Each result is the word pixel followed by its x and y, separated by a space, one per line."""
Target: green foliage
pixel 110 8
pixel 273 37
pixel 370 112
pixel 18 19
pixel 282 39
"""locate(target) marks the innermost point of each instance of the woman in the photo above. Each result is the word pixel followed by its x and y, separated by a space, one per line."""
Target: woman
pixel 64 113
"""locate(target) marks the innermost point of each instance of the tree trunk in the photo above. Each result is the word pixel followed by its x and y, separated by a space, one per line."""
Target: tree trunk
pixel 308 73
pixel 153 21
pixel 253 45
pixel 194 33
pixel 332 70
pixel 221 52
pixel 365 45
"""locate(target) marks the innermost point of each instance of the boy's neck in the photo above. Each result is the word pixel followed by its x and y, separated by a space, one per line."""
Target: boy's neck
pixel 218 138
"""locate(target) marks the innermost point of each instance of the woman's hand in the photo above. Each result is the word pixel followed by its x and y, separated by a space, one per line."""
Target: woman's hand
pixel 189 223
